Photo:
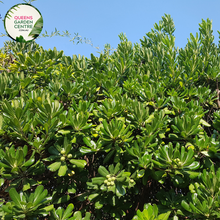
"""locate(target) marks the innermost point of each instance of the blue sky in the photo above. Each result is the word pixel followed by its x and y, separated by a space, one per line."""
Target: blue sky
pixel 102 21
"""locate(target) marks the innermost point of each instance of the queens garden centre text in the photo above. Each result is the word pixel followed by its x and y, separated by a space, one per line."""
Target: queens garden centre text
pixel 23 22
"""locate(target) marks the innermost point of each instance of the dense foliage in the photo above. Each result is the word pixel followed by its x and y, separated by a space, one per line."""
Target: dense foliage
pixel 132 134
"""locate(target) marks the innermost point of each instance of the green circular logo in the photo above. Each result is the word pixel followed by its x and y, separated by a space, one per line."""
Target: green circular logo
pixel 23 22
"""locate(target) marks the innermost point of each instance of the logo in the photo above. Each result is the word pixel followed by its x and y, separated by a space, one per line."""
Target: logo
pixel 23 22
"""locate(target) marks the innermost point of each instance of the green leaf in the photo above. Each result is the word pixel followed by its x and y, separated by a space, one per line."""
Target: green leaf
pixel 54 166
pixel 19 157
pixel 85 150
pixel 39 195
pixel 111 168
pixel 109 155
pixel 103 171
pixel 20 39
pixel 117 168
pixel 87 216
pixel 88 142
pixel 203 122
pixel 63 132
pixel 7 209
pixel 1 182
pixel 36 30
pixel 193 175
pixel 121 179
pixel 193 166
pixel 72 188
pixel 21 57
pixel 164 216
pixel 4 165
pixel 158 174
pixel 53 150
pixel 45 210
pixel 98 205
pixel 92 196
pixel 140 173
pixel 29 182
pixel 78 163
pixel 15 197
pixel 98 180
pixel 62 170
pixel 77 215
pixel 185 205
pixel 120 190
pixel 29 162
pixel 68 211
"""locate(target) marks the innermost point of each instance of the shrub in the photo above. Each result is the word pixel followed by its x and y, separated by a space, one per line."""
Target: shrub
pixel 129 135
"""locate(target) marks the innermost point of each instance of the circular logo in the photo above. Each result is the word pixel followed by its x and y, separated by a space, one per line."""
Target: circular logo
pixel 23 22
